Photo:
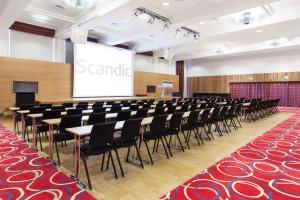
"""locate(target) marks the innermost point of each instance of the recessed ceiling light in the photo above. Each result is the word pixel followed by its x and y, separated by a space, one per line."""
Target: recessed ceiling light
pixel 81 4
pixel 166 3
pixel 201 23
pixel 258 31
pixel 40 17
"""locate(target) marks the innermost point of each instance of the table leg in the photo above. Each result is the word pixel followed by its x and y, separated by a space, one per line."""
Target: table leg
pixel 14 122
pixel 23 125
pixel 76 176
pixel 34 133
pixel 50 137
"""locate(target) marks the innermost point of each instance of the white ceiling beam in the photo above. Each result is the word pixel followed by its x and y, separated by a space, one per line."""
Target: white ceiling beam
pixel 12 10
pixel 191 15
pixel 50 14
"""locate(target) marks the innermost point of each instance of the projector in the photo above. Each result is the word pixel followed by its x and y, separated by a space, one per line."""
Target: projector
pixel 79 35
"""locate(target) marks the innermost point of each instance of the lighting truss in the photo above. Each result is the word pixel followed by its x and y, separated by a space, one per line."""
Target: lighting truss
pixel 153 17
pixel 187 32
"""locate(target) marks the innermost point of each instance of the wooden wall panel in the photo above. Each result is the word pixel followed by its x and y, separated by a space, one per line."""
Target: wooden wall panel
pixel 55 79
pixel 142 79
pixel 221 84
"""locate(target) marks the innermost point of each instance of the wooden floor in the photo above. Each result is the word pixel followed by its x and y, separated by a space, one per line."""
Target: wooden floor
pixel 165 174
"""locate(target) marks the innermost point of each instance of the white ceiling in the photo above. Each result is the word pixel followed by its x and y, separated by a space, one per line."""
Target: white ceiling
pixel 113 22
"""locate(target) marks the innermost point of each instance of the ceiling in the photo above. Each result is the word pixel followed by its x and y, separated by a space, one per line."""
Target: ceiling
pixel 274 24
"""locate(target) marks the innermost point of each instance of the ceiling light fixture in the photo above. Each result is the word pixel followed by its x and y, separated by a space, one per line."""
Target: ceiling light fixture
pixel 166 3
pixel 152 17
pixel 187 33
pixel 201 23
pixel 81 4
pixel 258 31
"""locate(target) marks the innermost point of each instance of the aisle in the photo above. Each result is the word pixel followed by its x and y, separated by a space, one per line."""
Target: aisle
pixel 266 168
pixel 24 174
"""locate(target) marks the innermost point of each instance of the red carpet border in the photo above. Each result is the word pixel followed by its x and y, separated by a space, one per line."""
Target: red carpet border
pixel 266 168
pixel 24 174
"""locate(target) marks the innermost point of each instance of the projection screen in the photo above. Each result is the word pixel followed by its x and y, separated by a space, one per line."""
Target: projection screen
pixel 102 71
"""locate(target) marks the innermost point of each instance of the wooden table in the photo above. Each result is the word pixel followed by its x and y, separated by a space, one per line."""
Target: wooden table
pixel 14 111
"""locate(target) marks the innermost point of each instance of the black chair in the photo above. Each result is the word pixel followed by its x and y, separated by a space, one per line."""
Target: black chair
pixel 156 133
pixel 58 108
pixel 123 115
pixel 43 128
pixel 171 109
pixel 100 143
pixel 74 112
pixel 99 110
pixel 193 107
pixel 82 106
pixel 129 136
pixel 46 105
pixel 67 105
pixel 174 129
pixel 134 107
pixel 115 109
pixel 159 111
pixel 63 135
pixel 28 120
pixel 192 126
pixel 202 123
pixel 142 113
pixel 96 118
pixel 213 120
pixel 98 104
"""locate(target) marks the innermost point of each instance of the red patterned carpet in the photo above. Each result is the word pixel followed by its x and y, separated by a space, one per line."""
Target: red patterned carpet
pixel 266 168
pixel 26 175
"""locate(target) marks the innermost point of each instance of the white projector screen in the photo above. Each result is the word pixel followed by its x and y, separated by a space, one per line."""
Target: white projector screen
pixel 102 71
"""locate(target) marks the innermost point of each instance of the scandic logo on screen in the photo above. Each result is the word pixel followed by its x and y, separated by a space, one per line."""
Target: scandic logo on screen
pixel 102 70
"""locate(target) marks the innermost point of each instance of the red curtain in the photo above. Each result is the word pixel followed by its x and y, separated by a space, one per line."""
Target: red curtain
pixel 287 92
pixel 180 73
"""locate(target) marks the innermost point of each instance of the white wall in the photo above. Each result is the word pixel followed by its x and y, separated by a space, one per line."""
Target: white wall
pixel 155 65
pixel 285 61
pixel 30 46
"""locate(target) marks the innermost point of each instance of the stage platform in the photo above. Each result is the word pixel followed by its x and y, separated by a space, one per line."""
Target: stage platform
pixel 97 99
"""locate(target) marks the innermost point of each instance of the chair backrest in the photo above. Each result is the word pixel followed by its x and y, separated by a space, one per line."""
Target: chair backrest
pixel 52 114
pixel 203 106
pixel 134 107
pixel 175 121
pixel 131 129
pixel 74 112
pixel 57 108
pixel 147 105
pixel 115 109
pixel 126 104
pixel 26 107
pixel 96 118
pixel 215 113
pixel 141 113
pixel 69 122
pixel 159 111
pixel 99 110
pixel 67 105
pixel 38 109
pixel 205 115
pixel 102 134
pixel 82 106
pixel 98 104
pixel 46 105
pixel 193 118
pixel 223 111
pixel 158 124
pixel 123 115
pixel 193 107
pixel 184 108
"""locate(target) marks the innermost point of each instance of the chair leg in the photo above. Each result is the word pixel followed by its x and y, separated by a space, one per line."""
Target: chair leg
pixel 196 136
pixel 139 155
pixel 148 152
pixel 127 157
pixel 154 146
pixel 57 153
pixel 162 141
pixel 186 141
pixel 168 146
pixel 113 164
pixel 178 138
pixel 87 172
pixel 200 137
pixel 170 139
pixel 120 164
pixel 157 144
pixel 102 163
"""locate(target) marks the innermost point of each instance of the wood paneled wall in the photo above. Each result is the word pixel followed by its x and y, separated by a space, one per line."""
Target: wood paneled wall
pixel 221 84
pixel 56 79
pixel 142 79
